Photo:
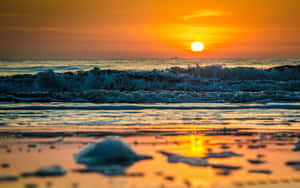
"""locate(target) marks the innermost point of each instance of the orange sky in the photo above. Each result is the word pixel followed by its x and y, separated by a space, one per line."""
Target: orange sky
pixel 149 28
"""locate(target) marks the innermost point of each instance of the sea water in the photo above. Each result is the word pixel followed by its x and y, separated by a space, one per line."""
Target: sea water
pixel 213 92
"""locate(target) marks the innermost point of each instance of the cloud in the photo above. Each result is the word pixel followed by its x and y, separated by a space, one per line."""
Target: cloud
pixel 203 13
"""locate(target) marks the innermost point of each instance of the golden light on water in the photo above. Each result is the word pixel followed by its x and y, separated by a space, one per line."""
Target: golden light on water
pixel 197 46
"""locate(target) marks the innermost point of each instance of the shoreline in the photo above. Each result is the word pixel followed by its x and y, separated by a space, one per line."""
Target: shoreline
pixel 39 148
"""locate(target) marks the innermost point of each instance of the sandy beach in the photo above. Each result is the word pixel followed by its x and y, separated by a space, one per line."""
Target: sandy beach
pixel 237 157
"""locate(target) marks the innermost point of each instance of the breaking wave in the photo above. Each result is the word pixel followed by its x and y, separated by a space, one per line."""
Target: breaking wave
pixel 173 85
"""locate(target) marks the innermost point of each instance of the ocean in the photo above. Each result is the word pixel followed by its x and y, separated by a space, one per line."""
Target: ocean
pixel 252 93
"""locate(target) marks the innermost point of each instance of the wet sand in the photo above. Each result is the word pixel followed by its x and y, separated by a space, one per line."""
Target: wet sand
pixel 237 157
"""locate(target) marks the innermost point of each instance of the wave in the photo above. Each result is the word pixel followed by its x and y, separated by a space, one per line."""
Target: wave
pixel 192 84
pixel 158 107
pixel 106 96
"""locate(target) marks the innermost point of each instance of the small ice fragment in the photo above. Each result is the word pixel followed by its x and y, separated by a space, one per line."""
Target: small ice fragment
pixel 260 155
pixel 297 146
pixel 108 170
pixel 52 147
pixel 109 151
pixel 256 146
pixel 280 143
pixel 31 145
pixel 224 146
pixel 8 178
pixel 193 161
pixel 226 154
pixel 291 163
pixel 196 161
pixel 260 171
pixel 187 182
pixel 256 161
pixel 169 178
pixel 61 139
pixel 224 172
pixel 44 172
pixel 5 165
pixel 294 164
pixel 222 166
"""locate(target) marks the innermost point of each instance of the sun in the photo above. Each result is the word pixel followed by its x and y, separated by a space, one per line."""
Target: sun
pixel 197 46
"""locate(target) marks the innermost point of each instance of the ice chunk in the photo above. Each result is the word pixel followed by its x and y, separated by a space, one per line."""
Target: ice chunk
pixel 200 162
pixel 226 154
pixel 260 171
pixel 44 172
pixel 257 146
pixel 291 163
pixel 297 146
pixel 109 170
pixel 224 172
pixel 109 151
pixel 8 178
pixel 256 161
pixel 294 164
pixel 223 166
pixel 193 161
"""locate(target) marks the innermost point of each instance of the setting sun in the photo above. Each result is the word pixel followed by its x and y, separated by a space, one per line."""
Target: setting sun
pixel 197 46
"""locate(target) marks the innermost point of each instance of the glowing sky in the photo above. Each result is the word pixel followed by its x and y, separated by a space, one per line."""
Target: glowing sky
pixel 149 28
